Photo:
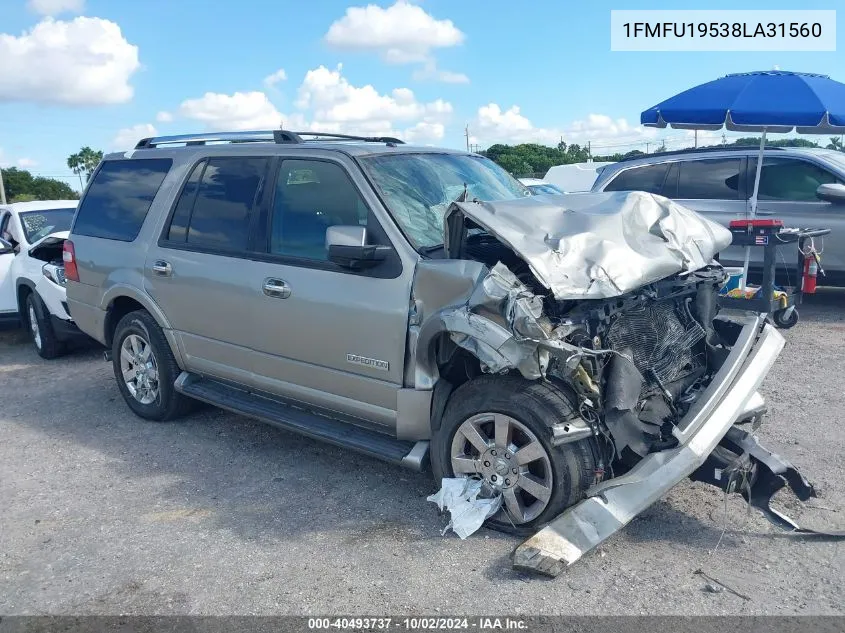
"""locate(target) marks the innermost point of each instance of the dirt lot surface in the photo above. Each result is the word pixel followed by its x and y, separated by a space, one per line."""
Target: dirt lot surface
pixel 105 513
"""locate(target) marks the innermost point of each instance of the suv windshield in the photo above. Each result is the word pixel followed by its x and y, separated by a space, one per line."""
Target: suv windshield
pixel 38 224
pixel 418 188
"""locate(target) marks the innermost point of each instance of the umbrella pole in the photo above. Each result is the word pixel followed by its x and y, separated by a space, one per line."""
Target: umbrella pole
pixel 754 204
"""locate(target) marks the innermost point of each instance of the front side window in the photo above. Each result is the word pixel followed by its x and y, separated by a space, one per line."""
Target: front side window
pixel 215 206
pixel 648 178
pixel 38 224
pixel 789 179
pixel 119 197
pixel 310 197
pixel 713 179
pixel 418 188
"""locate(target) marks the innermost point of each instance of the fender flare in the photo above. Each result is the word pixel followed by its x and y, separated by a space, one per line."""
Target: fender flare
pixel 124 290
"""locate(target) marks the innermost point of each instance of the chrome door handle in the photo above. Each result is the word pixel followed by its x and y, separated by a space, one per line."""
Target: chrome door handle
pixel 764 212
pixel 162 268
pixel 276 288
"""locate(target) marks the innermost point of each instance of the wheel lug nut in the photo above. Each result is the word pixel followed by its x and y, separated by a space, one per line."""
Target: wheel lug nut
pixel 507 482
pixel 507 455
pixel 487 464
pixel 493 478
pixel 493 453
pixel 514 471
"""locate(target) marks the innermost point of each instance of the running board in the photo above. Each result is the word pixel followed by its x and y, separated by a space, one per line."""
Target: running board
pixel 411 455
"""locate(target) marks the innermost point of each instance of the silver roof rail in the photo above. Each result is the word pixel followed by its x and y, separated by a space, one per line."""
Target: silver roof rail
pixel 258 136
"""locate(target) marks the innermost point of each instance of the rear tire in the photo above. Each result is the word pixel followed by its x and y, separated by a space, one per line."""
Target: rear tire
pixel 145 369
pixel 529 408
pixel 41 329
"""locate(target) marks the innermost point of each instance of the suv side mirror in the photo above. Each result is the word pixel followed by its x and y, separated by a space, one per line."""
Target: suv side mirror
pixel 347 246
pixel 834 193
pixel 6 247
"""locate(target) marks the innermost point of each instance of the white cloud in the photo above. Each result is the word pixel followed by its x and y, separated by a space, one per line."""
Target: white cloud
pixel 164 117
pixel 402 33
pixel 26 163
pixel 330 96
pixel 55 7
pixel 128 137
pixel 86 61
pixel 238 111
pixel 326 102
pixel 605 134
pixel 274 78
pixel 430 72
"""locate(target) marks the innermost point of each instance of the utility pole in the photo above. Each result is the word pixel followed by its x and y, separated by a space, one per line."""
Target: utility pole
pixel 646 146
pixel 2 188
pixel 589 151
pixel 724 140
pixel 696 138
pixel 466 133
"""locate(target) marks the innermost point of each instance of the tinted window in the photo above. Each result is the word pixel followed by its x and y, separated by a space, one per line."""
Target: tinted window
pixel 649 178
pixel 716 179
pixel 310 197
pixel 178 231
pixel 789 179
pixel 120 197
pixel 38 224
pixel 217 210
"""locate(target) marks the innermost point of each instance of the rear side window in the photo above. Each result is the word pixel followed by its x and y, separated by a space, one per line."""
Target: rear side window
pixel 649 178
pixel 119 198
pixel 215 206
pixel 716 179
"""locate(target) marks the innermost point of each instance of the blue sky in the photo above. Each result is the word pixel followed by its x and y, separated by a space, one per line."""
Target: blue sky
pixel 105 73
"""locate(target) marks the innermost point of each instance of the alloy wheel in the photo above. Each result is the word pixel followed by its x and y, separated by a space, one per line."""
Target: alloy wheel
pixel 33 327
pixel 139 368
pixel 507 455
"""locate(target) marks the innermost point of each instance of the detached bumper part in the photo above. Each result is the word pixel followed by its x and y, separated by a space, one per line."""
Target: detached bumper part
pixel 613 504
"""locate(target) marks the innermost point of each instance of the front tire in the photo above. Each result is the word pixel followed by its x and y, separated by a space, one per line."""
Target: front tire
pixel 497 428
pixel 145 369
pixel 41 329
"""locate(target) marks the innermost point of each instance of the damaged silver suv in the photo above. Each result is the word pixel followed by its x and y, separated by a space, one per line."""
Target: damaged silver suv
pixel 406 301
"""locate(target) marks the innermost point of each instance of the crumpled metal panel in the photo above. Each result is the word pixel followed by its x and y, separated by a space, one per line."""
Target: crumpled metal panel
pixel 598 245
pixel 495 317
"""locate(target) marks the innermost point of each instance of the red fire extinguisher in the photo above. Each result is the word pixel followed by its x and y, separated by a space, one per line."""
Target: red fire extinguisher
pixel 811 271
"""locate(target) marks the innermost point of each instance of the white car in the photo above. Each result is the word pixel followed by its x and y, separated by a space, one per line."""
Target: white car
pixel 537 186
pixel 32 279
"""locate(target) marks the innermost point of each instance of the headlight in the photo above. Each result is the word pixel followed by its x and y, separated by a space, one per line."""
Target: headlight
pixel 54 273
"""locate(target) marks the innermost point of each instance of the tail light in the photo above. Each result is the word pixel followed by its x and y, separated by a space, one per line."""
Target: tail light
pixel 69 258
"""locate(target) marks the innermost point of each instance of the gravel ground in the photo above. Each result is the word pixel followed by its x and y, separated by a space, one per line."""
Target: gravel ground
pixel 103 513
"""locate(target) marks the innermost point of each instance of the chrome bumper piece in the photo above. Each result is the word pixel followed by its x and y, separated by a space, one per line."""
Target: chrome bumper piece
pixel 612 504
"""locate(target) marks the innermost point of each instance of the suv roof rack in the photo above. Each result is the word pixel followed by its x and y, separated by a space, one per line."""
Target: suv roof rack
pixel 259 136
pixel 703 150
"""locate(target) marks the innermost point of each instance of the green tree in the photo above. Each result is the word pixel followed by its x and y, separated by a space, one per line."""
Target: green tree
pixel 85 161
pixel 22 186
pixel 835 143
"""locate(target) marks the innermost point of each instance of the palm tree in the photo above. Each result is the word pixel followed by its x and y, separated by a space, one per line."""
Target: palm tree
pixel 74 163
pixel 85 161
pixel 835 143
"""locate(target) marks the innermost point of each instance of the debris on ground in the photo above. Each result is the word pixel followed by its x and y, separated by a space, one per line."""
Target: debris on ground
pixel 467 511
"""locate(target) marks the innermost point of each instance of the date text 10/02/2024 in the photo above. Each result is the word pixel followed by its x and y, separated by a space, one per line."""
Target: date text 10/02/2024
pixel 419 623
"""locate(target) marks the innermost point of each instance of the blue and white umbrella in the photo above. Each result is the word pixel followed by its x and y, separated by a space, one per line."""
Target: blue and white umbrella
pixel 764 101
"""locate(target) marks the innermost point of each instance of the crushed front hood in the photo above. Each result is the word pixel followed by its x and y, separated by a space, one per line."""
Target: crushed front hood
pixel 48 242
pixel 595 245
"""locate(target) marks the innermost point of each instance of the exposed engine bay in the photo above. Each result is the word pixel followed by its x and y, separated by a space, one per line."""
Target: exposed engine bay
pixel 614 300
pixel 646 355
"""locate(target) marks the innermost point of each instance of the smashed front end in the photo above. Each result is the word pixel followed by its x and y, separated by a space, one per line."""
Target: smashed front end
pixel 612 297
